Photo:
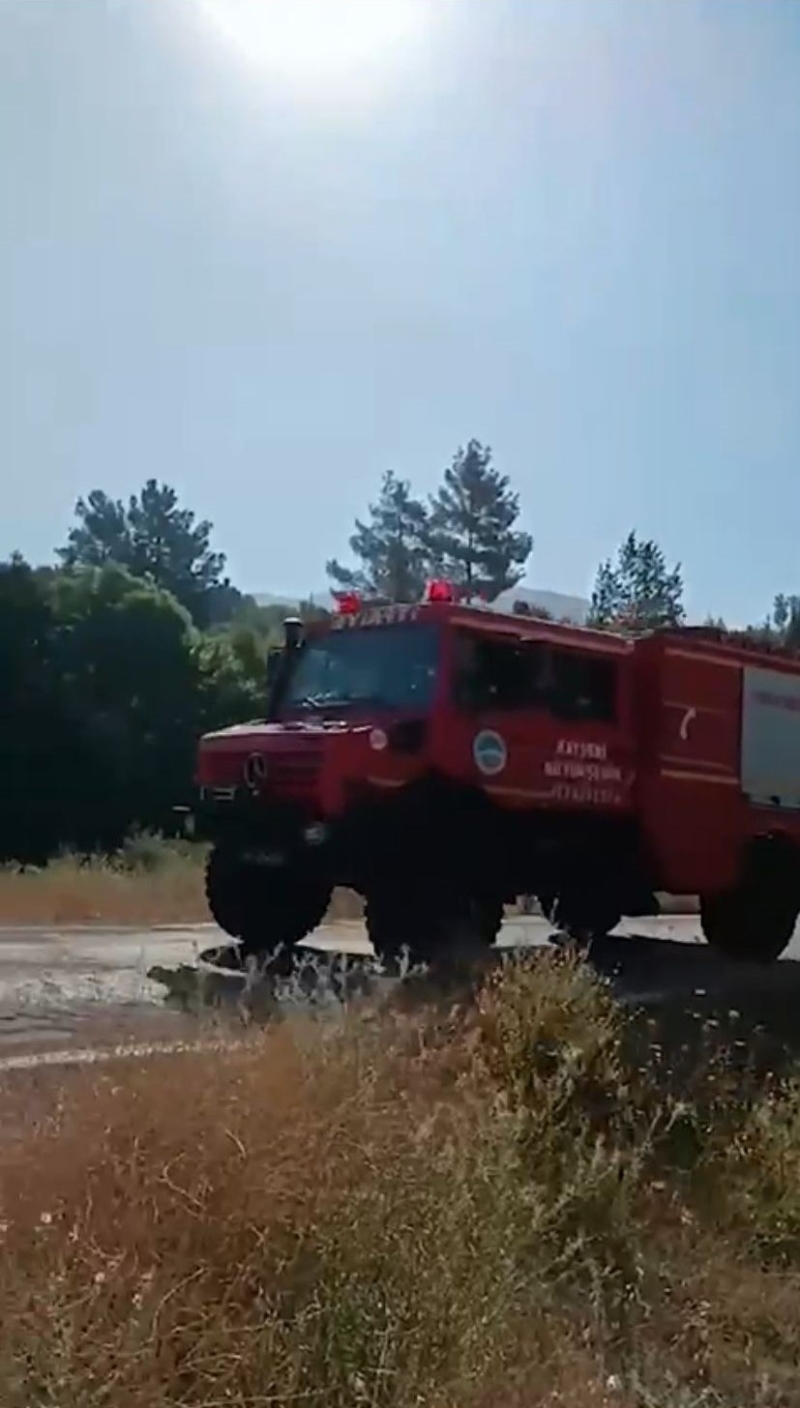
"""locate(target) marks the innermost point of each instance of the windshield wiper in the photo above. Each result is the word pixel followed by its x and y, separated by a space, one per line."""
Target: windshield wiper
pixel 340 701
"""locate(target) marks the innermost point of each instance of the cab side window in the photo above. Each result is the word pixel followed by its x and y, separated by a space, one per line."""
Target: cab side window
pixel 506 675
pixel 585 687
pixel 491 674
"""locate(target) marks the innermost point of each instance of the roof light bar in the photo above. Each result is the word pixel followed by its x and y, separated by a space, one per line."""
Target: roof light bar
pixel 348 603
pixel 440 590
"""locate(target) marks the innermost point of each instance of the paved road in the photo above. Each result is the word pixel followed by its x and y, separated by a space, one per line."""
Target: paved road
pixel 59 986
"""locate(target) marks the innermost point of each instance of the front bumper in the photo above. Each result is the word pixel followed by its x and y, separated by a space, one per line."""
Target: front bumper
pixel 270 831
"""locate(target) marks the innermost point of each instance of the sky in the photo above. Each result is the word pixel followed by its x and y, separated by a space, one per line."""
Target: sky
pixel 567 228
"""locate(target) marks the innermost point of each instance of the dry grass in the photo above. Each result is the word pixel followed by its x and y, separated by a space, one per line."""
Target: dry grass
pixel 77 891
pixel 503 1205
pixel 151 882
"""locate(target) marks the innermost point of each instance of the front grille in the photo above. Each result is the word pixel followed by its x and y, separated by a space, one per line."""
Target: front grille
pixel 290 766
pixel 294 772
pixel 291 771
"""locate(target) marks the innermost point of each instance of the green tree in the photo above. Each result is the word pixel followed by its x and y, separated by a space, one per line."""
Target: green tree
pixel 786 620
pixel 105 685
pixel 232 680
pixel 472 538
pixel 781 626
pixel 155 539
pixel 391 547
pixel 125 653
pixel 266 622
pixel 31 731
pixel 637 592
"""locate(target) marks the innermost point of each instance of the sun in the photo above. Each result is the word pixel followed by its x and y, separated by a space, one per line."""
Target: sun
pixel 316 40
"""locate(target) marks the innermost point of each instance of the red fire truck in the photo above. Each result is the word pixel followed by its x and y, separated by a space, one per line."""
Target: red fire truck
pixel 441 759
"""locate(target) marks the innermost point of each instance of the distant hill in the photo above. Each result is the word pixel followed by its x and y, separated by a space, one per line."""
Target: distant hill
pixel 275 599
pixel 557 604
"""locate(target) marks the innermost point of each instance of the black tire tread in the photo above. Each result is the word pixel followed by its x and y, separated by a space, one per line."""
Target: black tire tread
pixel 422 926
pixel 265 910
pixel 754 920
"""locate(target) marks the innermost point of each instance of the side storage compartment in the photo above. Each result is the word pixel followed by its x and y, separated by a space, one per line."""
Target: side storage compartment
pixel 690 800
pixel 770 756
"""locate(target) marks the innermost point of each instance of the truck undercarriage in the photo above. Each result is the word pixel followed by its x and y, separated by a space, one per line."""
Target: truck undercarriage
pixel 435 864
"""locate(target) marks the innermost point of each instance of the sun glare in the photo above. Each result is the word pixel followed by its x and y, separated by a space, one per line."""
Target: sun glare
pixel 316 40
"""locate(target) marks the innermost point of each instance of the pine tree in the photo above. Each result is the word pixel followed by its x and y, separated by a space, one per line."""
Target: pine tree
pixel 391 547
pixel 155 539
pixel 472 537
pixel 637 592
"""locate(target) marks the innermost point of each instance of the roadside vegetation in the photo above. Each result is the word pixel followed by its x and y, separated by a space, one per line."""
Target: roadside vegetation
pixel 527 1199
pixel 149 881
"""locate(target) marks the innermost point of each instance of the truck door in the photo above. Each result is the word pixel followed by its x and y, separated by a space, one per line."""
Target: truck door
pixel 540 723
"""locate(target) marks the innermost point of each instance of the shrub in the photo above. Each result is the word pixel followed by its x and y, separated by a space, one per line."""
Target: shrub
pixel 469 1207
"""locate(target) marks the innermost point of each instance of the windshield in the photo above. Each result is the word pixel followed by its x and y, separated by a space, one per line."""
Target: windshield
pixel 392 667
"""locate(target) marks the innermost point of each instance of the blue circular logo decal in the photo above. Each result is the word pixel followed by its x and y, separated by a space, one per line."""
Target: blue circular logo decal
pixel 490 752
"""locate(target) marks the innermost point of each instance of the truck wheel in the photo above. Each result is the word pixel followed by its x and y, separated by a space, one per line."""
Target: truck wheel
pixel 754 921
pixel 584 916
pixel 745 927
pixel 548 902
pixel 428 927
pixel 268 909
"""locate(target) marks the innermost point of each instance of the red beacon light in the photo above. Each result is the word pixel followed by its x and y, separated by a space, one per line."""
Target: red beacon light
pixel 348 603
pixel 439 590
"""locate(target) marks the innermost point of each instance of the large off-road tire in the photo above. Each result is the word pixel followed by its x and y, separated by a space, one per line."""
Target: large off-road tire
pixel 410 928
pixel 269 909
pixel 548 901
pixel 585 915
pixel 754 920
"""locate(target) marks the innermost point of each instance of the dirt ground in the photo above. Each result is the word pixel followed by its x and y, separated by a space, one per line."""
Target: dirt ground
pixel 68 988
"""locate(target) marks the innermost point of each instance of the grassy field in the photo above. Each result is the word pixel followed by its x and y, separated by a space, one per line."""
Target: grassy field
pixel 525 1200
pixel 150 882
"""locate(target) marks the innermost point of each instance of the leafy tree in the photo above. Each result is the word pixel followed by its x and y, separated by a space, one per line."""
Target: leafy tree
pixel 786 619
pixel 154 538
pixel 232 680
pixel 778 628
pixel 637 592
pixel 391 547
pixel 105 685
pixel 266 622
pixel 472 537
pixel 125 656
pixel 781 626
pixel 30 733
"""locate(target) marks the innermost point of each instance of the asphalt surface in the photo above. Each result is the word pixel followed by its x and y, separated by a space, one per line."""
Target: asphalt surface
pixel 61 989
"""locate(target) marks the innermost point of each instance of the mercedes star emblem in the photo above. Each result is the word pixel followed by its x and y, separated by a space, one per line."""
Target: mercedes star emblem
pixel 255 770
